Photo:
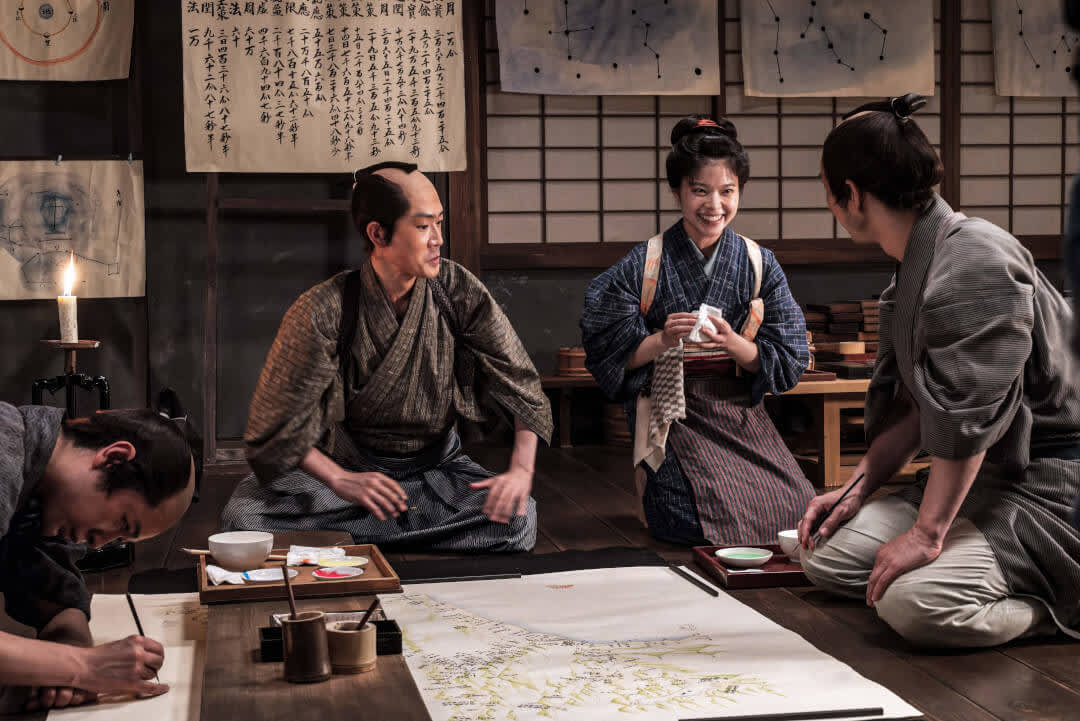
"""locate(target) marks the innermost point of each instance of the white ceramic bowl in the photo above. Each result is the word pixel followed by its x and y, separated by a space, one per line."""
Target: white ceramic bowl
pixel 744 557
pixel 241 550
pixel 789 544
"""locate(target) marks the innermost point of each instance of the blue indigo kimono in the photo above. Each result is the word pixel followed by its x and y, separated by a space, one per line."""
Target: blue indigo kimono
pixel 728 477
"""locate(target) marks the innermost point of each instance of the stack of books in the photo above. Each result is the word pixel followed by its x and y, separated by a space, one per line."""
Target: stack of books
pixel 845 336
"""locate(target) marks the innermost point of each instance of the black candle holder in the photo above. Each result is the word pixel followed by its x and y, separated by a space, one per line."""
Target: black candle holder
pixel 72 380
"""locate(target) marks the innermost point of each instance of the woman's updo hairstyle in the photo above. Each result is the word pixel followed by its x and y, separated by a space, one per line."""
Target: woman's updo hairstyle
pixel 880 149
pixel 698 140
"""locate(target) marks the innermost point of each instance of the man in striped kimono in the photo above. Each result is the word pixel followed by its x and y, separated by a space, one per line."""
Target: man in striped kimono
pixel 360 437
pixel 972 368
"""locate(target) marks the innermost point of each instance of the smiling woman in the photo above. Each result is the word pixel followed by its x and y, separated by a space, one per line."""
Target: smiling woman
pixel 722 475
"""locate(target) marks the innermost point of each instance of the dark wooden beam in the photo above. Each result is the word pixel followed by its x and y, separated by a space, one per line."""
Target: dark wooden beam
pixel 468 199
pixel 950 101
pixel 819 251
pixel 210 322
pixel 285 205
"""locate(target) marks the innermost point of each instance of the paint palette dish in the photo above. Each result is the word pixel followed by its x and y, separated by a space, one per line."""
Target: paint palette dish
pixel 262 575
pixel 373 575
pixel 777 571
pixel 336 573
pixel 345 561
pixel 744 557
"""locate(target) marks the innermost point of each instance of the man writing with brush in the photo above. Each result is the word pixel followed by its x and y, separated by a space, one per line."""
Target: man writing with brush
pixel 979 551
pixel 67 482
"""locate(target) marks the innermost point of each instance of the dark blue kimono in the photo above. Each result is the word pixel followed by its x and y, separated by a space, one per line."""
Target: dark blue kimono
pixel 727 477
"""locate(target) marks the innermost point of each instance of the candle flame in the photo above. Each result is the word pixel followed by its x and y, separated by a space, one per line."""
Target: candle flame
pixel 69 275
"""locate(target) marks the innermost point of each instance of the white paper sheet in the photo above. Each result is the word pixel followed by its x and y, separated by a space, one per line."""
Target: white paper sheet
pixel 178 622
pixel 628 644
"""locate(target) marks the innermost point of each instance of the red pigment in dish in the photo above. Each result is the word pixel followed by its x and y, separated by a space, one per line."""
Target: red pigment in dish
pixel 332 574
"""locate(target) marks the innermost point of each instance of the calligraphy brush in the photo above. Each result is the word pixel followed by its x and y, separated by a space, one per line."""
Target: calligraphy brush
pixel 288 587
pixel 371 610
pixel 138 624
pixel 821 519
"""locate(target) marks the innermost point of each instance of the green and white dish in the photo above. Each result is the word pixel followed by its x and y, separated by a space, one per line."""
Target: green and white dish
pixel 743 557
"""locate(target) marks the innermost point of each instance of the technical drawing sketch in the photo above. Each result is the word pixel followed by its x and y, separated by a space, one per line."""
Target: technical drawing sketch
pixel 608 47
pixel 837 48
pixel 92 209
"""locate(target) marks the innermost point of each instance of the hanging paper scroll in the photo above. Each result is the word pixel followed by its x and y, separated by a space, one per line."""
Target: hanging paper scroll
pixel 65 39
pixel 322 87
pixel 833 48
pixel 92 209
pixel 1033 49
pixel 608 47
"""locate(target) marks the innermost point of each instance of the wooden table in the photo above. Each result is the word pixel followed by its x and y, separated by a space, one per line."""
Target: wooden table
pixel 236 685
pixel 827 399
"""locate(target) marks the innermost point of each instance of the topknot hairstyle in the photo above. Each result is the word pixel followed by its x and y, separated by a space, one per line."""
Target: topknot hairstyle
pixel 883 152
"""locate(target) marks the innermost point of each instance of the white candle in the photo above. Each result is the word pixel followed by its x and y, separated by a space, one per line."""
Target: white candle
pixel 69 322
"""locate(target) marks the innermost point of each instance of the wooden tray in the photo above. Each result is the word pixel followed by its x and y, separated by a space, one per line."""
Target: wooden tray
pixel 378 577
pixel 779 571
pixel 817 375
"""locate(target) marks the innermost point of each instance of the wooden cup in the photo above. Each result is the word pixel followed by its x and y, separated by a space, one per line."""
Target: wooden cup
pixel 352 648
pixel 307 658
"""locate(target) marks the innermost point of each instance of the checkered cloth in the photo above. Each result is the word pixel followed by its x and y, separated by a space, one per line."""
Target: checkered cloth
pixel 662 405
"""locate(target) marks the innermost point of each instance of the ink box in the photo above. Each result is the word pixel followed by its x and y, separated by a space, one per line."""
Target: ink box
pixel 387 637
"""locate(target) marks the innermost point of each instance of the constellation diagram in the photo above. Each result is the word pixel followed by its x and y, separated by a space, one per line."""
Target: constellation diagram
pixel 66 39
pixel 1033 49
pixel 608 47
pixel 836 47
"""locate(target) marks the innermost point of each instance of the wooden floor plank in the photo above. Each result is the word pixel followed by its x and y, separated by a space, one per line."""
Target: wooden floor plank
pixel 610 503
pixel 877 662
pixel 567 524
pixel 1057 659
pixel 1005 687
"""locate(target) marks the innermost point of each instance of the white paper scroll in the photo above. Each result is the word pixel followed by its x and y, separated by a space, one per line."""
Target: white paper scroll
pixel 624 644
pixel 93 209
pixel 834 48
pixel 1033 49
pixel 322 86
pixel 608 47
pixel 65 39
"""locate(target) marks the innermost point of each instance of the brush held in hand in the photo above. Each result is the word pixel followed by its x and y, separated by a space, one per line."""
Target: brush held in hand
pixel 825 516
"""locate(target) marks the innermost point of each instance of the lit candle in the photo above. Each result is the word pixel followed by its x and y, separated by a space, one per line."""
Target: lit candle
pixel 69 323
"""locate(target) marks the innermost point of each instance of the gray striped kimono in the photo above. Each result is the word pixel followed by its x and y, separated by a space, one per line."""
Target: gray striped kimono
pixel 979 338
pixel 410 381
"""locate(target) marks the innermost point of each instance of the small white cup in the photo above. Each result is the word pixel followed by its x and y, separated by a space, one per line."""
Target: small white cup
pixel 241 550
pixel 789 544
